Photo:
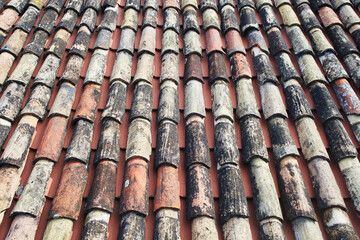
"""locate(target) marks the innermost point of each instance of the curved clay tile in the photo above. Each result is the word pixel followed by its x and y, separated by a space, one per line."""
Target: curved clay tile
pixel 315 154
pixel 199 203
pixel 134 199
pixel 167 155
pixel 295 198
pixel 233 205
pixel 342 149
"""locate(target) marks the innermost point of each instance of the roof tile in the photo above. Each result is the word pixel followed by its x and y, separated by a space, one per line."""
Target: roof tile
pixel 225 149
pixel 232 192
pixel 246 102
pixel 196 149
pixel 86 109
pixel 141 105
pixel 307 17
pixel 234 43
pixel 296 101
pixel 132 224
pixel 97 66
pixel 122 67
pixel 213 41
pixel 286 68
pixel 144 68
pixel 340 145
pixel 281 141
pixel 32 199
pixel 94 4
pixel 72 70
pixel 168 108
pixel 53 139
pixel 139 140
pixel 252 140
pixel 149 18
pixel 115 103
pixel 68 21
pixel 37 42
pixel 47 72
pixel 75 5
pixel 170 42
pixel 108 20
pixel 192 43
pixel 36 104
pixel 295 198
pixel 199 200
pixel 271 101
pixel 89 19
pixel 7 18
pixel 134 196
pixel 68 198
pixel 172 20
pixel 17 148
pixel 167 188
pixel 167 151
pixel 268 18
pixel 135 4
pixel 170 68
pixel 56 5
pixel 102 194
pixel 326 108
pixel 18 5
pixel 248 20
pixel 27 21
pixel 217 68
pixel 194 103
pixel 15 42
pixel 80 144
pixel 11 101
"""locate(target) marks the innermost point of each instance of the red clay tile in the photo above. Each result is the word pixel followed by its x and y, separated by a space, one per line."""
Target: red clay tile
pixel 213 41
pixel 167 188
pixel 134 196
pixel 102 193
pixel 234 42
pixel 348 98
pixel 68 199
pixel 53 139
pixel 171 4
pixel 88 103
pixel 329 17
pixel 240 68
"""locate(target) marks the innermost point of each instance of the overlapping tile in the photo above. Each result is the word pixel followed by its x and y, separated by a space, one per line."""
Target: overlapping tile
pixel 340 145
pixel 199 203
pixel 295 199
pixel 78 152
pixel 49 151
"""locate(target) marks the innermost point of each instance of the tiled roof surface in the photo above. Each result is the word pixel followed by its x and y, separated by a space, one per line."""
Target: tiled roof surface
pixel 92 102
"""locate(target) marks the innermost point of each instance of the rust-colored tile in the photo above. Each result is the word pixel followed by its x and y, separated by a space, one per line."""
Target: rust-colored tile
pixel 167 188
pixel 348 98
pixel 134 196
pixel 213 41
pixel 52 141
pixel 68 199
pixel 102 193
pixel 329 17
pixel 171 3
pixel 88 103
